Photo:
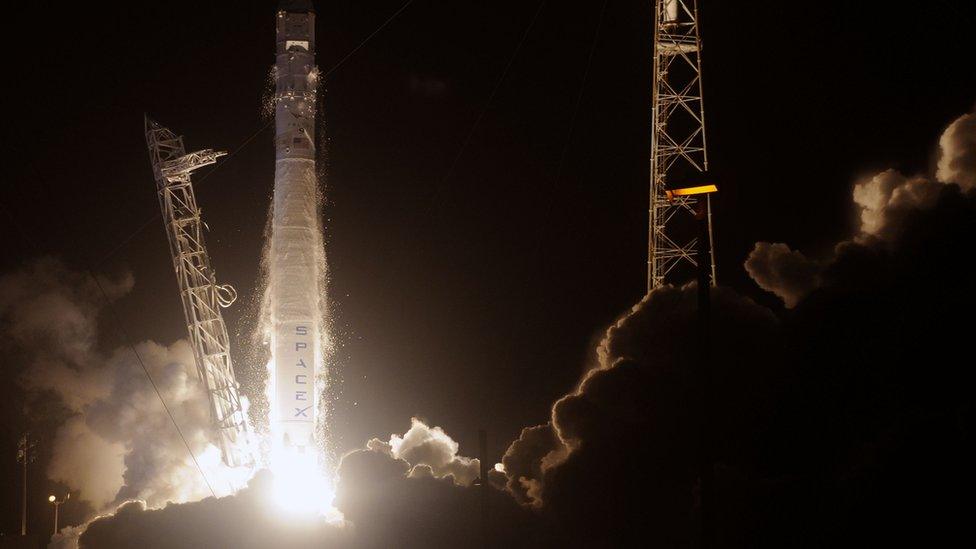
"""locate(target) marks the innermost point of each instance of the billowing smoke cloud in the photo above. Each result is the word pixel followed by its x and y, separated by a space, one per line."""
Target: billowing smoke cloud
pixel 825 414
pixel 430 452
pixel 117 442
pixel 386 501
pixel 245 520
pixel 885 198
pixel 525 460
pixel 787 273
pixel 624 443
pixel 884 201
pixel 957 163
pixel 417 491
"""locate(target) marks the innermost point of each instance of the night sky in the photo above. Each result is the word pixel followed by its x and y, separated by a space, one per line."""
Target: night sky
pixel 468 296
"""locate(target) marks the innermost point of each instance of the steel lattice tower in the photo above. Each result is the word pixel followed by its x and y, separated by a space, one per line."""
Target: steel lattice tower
pixel 201 295
pixel 678 154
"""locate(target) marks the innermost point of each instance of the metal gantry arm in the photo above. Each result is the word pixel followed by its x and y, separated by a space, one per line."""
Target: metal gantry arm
pixel 184 165
pixel 201 295
pixel 678 145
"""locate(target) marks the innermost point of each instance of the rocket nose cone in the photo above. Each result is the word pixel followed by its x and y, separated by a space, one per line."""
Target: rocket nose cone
pixel 296 6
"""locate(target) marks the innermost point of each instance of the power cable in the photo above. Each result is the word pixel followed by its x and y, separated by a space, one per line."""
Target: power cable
pixel 367 39
pixel 554 184
pixel 491 97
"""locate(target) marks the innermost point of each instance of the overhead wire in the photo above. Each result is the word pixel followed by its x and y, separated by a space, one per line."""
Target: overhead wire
pixel 434 202
pixel 487 105
pixel 554 184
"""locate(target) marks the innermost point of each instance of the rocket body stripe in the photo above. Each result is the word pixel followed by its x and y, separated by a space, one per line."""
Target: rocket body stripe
pixel 296 235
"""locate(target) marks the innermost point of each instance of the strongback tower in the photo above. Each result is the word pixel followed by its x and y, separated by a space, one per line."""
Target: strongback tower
pixel 296 242
pixel 678 153
pixel 201 295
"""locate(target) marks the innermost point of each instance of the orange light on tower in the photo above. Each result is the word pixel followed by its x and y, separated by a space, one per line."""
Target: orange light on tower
pixel 690 191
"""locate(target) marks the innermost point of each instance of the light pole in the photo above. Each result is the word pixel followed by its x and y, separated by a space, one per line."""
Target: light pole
pixel 706 278
pixel 57 504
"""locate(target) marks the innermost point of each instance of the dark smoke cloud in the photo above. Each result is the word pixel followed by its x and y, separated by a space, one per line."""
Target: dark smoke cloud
pixel 873 439
pixel 615 464
pixel 884 202
pixel 523 462
pixel 787 273
pixel 848 423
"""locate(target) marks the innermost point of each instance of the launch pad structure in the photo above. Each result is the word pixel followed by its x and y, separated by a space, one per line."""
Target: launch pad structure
pixel 202 297
pixel 679 156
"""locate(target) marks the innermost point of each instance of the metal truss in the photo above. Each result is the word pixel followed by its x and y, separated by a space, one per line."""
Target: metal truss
pixel 678 153
pixel 201 295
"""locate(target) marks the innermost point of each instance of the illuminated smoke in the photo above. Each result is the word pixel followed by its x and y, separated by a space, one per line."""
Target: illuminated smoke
pixel 884 201
pixel 883 198
pixel 785 272
pixel 116 443
pixel 391 497
pixel 429 451
pixel 957 162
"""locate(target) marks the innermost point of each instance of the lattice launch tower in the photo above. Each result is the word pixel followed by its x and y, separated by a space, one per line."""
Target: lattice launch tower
pixel 679 156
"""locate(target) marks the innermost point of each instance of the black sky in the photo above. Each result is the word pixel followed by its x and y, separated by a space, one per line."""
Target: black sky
pixel 473 300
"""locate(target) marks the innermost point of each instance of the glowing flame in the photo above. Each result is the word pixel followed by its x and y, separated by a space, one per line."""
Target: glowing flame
pixel 301 486
pixel 299 483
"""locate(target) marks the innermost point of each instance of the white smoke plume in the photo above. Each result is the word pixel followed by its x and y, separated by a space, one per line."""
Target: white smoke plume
pixel 430 452
pixel 883 201
pixel 117 443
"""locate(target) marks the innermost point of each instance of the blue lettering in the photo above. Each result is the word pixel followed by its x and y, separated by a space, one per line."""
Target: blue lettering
pixel 301 395
pixel 301 330
pixel 301 379
pixel 301 363
pixel 299 346
pixel 300 412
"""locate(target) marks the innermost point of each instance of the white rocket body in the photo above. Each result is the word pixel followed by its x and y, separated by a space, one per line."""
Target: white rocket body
pixel 297 259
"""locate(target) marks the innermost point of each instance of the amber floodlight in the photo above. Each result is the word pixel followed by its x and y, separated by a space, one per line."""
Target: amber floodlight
pixel 690 191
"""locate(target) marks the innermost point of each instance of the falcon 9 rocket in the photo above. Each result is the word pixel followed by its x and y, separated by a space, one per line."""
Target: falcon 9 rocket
pixel 297 256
